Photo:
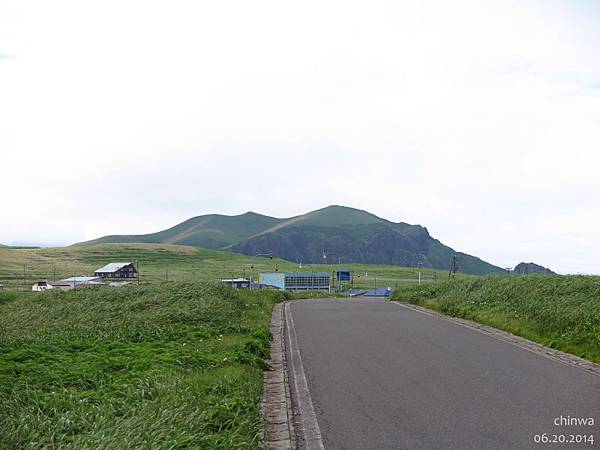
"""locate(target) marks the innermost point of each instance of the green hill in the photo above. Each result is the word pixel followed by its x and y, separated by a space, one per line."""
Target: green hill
pixel 348 234
pixel 213 231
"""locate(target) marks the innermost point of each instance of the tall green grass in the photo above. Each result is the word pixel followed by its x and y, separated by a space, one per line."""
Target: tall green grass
pixel 157 366
pixel 562 312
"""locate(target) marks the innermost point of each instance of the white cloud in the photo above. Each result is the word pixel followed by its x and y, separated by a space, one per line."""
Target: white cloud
pixel 479 120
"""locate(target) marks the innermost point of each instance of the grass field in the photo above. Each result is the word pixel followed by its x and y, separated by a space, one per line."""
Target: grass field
pixel 562 312
pixel 157 366
pixel 20 268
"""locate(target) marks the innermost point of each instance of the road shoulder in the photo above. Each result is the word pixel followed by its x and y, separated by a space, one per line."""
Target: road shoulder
pixel 526 344
pixel 277 405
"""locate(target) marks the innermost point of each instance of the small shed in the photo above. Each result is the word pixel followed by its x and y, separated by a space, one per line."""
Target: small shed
pixel 238 283
pixel 81 281
pixel 62 285
pixel 119 271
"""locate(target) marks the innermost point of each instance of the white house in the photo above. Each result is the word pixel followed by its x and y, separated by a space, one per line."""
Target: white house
pixel 45 285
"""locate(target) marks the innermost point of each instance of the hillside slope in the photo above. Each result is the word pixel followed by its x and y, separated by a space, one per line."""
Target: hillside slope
pixel 346 234
pixel 213 231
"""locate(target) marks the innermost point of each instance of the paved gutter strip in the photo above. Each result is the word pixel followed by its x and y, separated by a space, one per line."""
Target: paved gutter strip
pixel 277 405
pixel 526 344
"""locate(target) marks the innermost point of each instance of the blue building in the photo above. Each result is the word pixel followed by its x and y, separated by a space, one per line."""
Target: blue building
pixel 297 281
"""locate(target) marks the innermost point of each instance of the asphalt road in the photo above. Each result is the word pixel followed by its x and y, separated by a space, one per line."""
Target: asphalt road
pixel 382 376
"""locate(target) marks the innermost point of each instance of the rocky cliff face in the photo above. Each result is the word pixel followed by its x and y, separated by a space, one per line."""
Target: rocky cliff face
pixel 372 244
pixel 532 268
pixel 375 243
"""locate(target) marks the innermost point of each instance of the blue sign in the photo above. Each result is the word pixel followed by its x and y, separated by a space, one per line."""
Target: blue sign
pixel 344 275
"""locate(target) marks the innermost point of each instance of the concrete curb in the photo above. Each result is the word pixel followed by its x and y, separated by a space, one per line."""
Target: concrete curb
pixel 306 426
pixel 277 405
pixel 526 344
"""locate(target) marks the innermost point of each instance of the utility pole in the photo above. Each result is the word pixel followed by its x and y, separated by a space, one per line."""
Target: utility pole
pixel 54 271
pixel 339 262
pixel 137 265
pixel 419 265
pixel 265 255
pixel 24 279
pixel 453 267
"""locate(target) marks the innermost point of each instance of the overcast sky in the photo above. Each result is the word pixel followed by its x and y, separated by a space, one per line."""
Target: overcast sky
pixel 479 120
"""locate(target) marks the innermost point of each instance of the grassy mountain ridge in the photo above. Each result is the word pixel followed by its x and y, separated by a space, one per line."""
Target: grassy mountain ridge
pixel 352 235
pixel 213 231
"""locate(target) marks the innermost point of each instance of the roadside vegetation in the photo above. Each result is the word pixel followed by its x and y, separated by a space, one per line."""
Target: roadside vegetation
pixel 161 366
pixel 562 312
